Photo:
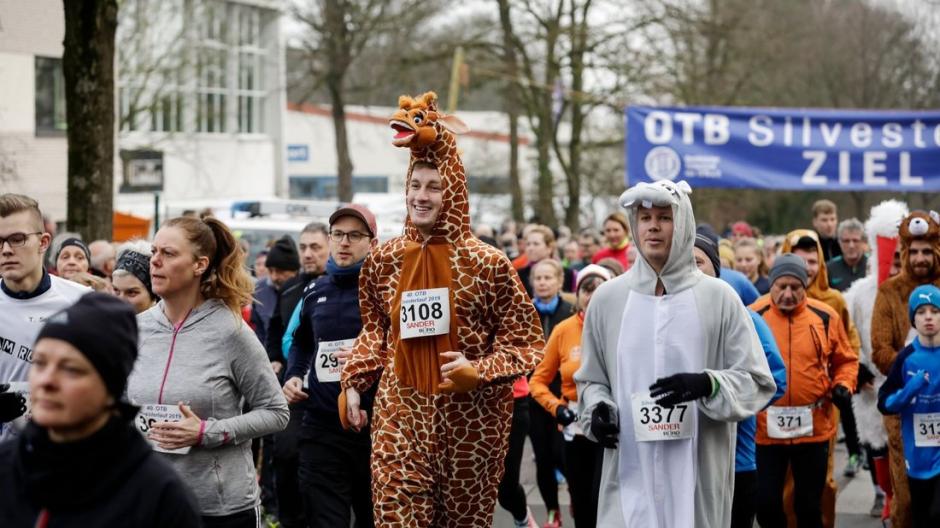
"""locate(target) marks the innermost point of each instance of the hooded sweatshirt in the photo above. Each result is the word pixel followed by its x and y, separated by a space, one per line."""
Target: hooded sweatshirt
pixel 633 337
pixel 820 290
pixel 215 364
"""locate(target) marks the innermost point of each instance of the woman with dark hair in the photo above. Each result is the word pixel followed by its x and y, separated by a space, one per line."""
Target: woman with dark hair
pixel 197 352
pixel 79 462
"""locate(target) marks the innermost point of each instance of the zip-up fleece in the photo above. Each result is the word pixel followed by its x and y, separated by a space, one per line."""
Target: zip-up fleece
pixel 214 363
pixel 818 356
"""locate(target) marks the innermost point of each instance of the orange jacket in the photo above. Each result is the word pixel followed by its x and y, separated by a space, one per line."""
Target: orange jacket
pixel 818 356
pixel 562 354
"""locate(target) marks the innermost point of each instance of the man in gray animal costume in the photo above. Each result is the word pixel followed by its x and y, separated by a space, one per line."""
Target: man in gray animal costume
pixel 670 360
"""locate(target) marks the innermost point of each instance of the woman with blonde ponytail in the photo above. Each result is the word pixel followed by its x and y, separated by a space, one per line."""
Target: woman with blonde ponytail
pixel 198 363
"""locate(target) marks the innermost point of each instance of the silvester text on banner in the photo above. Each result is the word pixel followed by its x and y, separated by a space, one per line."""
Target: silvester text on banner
pixel 785 149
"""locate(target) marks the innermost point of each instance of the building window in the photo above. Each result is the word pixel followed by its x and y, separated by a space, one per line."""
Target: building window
pixel 250 91
pixel 50 96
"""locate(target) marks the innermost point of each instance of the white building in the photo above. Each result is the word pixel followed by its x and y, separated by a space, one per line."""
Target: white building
pixel 200 101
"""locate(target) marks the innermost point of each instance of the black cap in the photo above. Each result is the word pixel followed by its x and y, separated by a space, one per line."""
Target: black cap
pixel 77 242
pixel 806 243
pixel 104 329
pixel 703 242
pixel 283 255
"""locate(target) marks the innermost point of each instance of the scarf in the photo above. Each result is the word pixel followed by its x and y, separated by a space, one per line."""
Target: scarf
pixel 332 268
pixel 547 308
pixel 417 360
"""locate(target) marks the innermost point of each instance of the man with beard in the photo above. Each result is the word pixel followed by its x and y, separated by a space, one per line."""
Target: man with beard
pixel 891 329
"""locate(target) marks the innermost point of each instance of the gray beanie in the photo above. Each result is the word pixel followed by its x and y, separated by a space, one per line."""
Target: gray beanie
pixel 789 264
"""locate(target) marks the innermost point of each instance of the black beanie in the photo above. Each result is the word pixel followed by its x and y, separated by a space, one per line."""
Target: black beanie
pixel 104 329
pixel 77 242
pixel 705 243
pixel 283 255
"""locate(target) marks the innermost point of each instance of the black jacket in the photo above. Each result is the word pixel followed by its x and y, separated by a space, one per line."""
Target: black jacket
pixel 330 313
pixel 110 479
pixel 287 298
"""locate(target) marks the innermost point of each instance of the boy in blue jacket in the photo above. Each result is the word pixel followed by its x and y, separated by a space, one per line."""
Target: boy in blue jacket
pixel 913 391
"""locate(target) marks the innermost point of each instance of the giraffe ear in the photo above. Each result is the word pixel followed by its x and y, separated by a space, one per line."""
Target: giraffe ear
pixel 429 99
pixel 405 101
pixel 453 124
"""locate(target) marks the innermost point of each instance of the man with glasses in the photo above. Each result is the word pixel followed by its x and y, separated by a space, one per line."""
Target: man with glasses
pixel 28 293
pixel 334 463
pixel 852 264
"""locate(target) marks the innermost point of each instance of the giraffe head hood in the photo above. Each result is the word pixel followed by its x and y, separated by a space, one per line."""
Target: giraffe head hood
pixel 431 136
pixel 680 271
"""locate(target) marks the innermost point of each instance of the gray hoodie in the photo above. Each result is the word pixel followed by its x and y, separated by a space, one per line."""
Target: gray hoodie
pixel 632 337
pixel 218 367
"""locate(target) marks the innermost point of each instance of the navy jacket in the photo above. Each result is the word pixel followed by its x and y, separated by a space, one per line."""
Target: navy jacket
pixel 330 312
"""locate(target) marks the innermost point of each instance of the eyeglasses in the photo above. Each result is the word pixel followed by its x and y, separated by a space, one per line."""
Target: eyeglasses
pixel 17 239
pixel 354 236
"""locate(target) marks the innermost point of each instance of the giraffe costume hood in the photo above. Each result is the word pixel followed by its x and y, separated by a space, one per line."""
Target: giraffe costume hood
pixel 438 442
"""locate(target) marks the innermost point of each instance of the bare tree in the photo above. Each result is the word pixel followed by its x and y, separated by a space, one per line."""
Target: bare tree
pixel 337 33
pixel 88 67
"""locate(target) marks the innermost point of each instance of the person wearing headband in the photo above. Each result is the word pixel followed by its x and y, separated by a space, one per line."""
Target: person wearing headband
pixel 131 276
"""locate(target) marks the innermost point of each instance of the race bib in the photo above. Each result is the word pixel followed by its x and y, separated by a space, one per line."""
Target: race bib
pixel 927 429
pixel 152 413
pixel 425 313
pixel 328 368
pixel 654 423
pixel 789 422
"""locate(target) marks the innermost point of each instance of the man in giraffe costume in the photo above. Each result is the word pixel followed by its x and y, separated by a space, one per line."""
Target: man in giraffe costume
pixel 447 327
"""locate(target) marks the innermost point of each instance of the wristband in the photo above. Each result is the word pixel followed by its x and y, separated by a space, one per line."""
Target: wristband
pixel 716 387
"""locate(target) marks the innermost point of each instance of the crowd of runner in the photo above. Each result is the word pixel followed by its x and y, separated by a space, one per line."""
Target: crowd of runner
pixel 339 380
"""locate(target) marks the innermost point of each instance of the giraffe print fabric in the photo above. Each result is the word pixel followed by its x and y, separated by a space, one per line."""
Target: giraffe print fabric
pixel 437 458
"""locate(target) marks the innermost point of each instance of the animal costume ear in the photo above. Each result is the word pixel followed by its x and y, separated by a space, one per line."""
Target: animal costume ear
pixel 405 101
pixel 429 100
pixel 684 187
pixel 453 124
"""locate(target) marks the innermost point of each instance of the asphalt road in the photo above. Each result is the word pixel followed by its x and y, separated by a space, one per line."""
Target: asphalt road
pixel 852 505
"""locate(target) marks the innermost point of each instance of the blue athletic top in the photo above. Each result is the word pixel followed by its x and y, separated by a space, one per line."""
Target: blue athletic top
pixel 745 458
pixel 896 396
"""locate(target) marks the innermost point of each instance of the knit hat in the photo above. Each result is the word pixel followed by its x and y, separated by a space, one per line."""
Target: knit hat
pixel 357 211
pixel 138 265
pixel 789 264
pixel 924 294
pixel 711 251
pixel 595 270
pixel 283 255
pixel 104 329
pixel 742 228
pixel 77 242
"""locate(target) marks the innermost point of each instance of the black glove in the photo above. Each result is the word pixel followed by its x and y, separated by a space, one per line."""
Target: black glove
pixel 865 375
pixel 841 396
pixel 12 404
pixel 603 427
pixel 565 416
pixel 680 388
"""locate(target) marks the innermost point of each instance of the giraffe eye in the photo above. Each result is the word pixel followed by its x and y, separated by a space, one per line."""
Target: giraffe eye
pixel 417 119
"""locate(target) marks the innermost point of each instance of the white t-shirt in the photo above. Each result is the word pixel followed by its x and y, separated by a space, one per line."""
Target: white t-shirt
pixel 21 320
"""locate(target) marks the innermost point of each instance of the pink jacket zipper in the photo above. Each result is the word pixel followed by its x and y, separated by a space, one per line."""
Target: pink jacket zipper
pixel 169 359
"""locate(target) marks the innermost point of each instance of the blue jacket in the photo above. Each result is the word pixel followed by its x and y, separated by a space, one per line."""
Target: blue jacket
pixel 741 284
pixel 896 397
pixel 330 312
pixel 744 453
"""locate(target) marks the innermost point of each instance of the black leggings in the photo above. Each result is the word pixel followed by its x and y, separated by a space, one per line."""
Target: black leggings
pixel 925 501
pixel 847 418
pixel 743 507
pixel 583 458
pixel 809 463
pixel 243 519
pixel 547 446
pixel 511 494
